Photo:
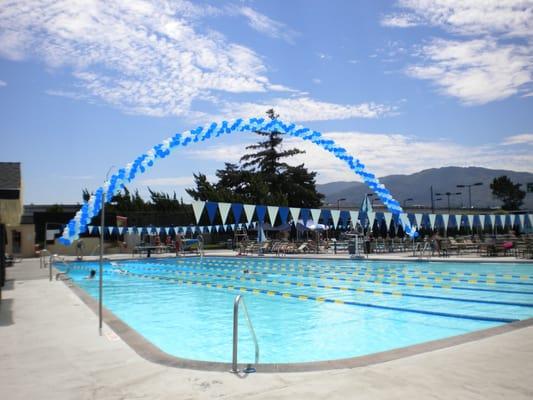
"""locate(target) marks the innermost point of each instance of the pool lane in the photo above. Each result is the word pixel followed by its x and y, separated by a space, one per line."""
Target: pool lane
pixel 242 277
pixel 400 281
pixel 319 299
pixel 373 291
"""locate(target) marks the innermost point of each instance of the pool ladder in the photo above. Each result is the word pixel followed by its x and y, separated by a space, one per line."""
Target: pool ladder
pixel 423 249
pixel 238 300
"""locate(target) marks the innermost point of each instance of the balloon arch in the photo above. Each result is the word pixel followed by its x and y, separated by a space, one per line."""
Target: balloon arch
pixel 116 183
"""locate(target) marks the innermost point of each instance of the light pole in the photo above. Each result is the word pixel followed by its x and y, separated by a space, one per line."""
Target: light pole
pixel 448 194
pixel 101 274
pixel 339 203
pixel 469 186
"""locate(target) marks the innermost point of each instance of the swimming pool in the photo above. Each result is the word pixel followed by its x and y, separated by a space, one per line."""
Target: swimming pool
pixel 307 310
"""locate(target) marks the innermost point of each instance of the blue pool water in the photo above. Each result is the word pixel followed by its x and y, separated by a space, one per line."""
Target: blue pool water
pixel 307 310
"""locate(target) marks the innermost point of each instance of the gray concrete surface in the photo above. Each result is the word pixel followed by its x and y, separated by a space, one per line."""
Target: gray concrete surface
pixel 50 349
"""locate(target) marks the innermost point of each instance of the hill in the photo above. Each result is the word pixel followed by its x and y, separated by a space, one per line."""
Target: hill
pixel 417 186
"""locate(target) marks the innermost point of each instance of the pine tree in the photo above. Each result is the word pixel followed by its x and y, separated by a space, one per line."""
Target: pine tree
pixel 262 178
pixel 508 192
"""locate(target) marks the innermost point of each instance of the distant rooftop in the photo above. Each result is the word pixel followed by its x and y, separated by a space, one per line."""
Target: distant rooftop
pixel 10 176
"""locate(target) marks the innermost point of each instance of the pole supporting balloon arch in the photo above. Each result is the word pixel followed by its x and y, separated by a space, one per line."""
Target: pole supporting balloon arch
pixel 123 176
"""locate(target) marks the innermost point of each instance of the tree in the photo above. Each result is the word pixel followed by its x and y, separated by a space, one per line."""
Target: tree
pixel 508 192
pixel 262 177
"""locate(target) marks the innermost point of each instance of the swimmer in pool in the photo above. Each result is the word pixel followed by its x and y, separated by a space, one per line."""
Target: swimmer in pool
pixel 91 275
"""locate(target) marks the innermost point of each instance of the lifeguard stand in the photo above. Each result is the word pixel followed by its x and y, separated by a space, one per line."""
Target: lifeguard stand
pixel 240 236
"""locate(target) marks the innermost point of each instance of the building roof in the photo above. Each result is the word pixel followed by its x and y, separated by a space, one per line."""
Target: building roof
pixel 10 175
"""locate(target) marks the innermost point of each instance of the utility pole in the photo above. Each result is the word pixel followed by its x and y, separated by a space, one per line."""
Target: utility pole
pixel 432 201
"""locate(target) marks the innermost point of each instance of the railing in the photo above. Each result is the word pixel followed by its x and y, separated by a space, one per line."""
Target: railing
pixel 43 254
pixel 201 247
pixel 239 299
pixel 51 260
pixel 422 248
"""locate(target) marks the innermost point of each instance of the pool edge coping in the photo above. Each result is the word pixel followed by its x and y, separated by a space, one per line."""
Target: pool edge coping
pixel 150 352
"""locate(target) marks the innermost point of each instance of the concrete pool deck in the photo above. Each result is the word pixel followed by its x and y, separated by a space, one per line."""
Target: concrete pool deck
pixel 50 349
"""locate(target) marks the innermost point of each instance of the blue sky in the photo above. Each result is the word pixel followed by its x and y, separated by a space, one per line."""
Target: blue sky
pixel 403 85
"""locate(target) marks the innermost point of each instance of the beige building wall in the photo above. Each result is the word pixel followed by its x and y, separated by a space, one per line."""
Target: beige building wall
pixel 10 211
pixel 26 233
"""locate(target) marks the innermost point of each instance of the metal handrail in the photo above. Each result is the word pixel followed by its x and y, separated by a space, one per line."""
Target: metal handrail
pixel 42 258
pixel 51 263
pixel 422 249
pixel 249 368
pixel 201 247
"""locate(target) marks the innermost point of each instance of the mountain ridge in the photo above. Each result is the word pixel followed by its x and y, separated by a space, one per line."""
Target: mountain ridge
pixel 417 185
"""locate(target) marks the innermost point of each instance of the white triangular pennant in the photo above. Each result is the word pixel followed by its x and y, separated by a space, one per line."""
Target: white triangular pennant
pixel 198 208
pixel 482 220
pixel 295 212
pixel 470 218
pixel 109 230
pixel 527 220
pixel 418 219
pixel 388 218
pixel 209 229
pixel 248 212
pixel 432 219
pixel 121 230
pixel 492 219
pixel 335 215
pixel 521 218
pixel 445 220
pixel 354 216
pixel 224 210
pixel 158 230
pixel 371 217
pixel 99 230
pixel 272 214
pixel 315 214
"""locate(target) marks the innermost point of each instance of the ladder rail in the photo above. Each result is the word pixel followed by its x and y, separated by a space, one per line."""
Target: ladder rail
pixel 240 300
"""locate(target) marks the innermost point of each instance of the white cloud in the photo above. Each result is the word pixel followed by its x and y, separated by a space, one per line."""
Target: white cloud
pixel 143 57
pixel 475 71
pixel 317 81
pixel 153 57
pixel 526 138
pixel 307 109
pixel 512 18
pixel 484 65
pixel 385 154
pixel 399 21
pixel 2 84
pixel 268 26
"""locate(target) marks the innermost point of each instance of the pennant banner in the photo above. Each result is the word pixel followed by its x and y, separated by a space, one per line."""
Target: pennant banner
pixel 198 208
pixel 388 219
pixel 470 219
pixel 354 216
pixel 249 212
pixel 272 214
pixel 295 213
pixel 335 214
pixel 432 219
pixel 224 208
